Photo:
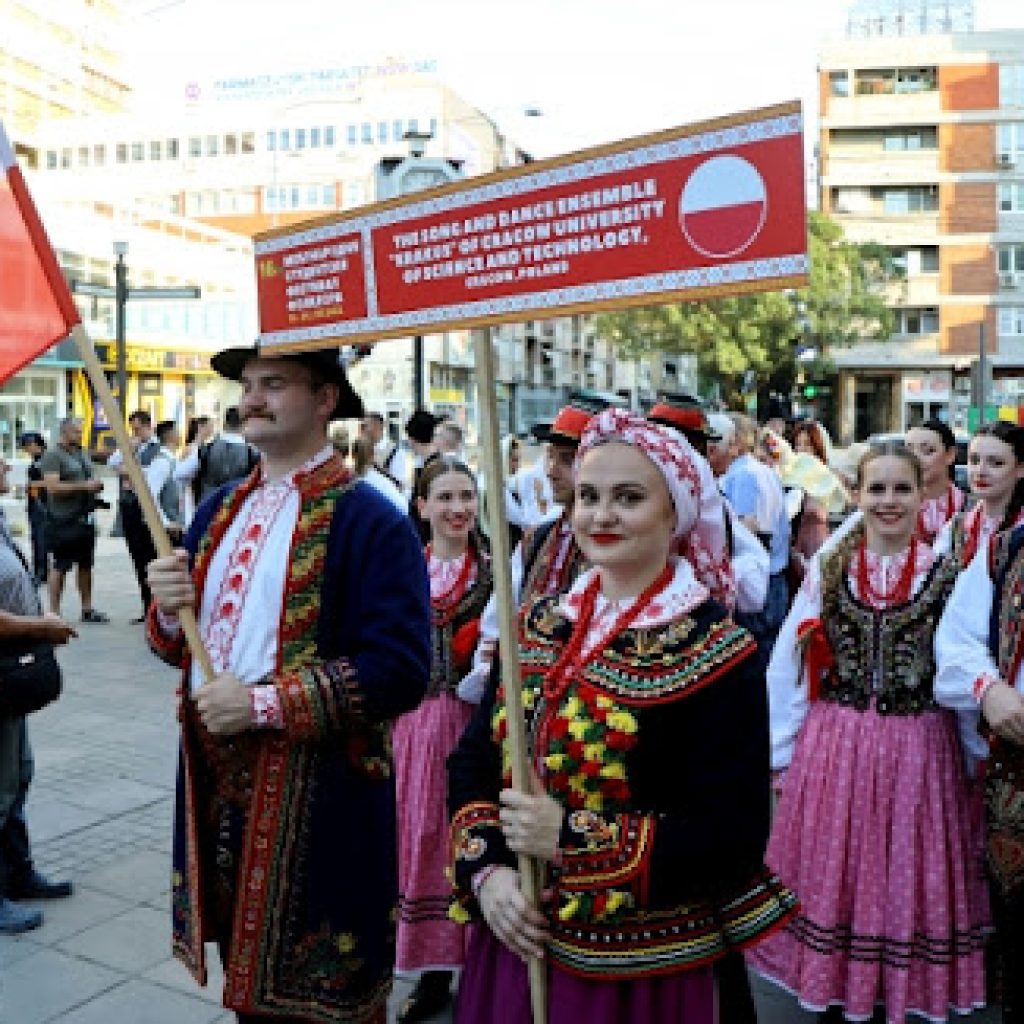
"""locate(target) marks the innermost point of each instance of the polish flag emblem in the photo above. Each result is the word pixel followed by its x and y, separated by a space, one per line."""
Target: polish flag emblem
pixel 723 206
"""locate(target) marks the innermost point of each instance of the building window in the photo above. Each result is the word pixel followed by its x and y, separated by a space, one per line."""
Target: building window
pixel 433 127
pixel 413 125
pixel 397 131
pixel 171 149
pixel 230 145
pixel 300 138
pixel 65 158
pixel 122 152
pixel 382 132
pixel 271 141
pixel 839 83
pixel 83 156
pixel 1011 320
pixel 1011 85
pixel 919 199
pixel 195 146
pixel 156 150
pixel 99 156
pixel 248 142
pixel 314 138
pixel 890 81
pixel 212 145
pixel 138 152
pixel 1010 142
pixel 1010 259
pixel 352 134
pixel 284 139
pixel 329 140
pixel 917 321
pixel 1011 197
pixel 367 133
pixel 901 141
pixel 51 159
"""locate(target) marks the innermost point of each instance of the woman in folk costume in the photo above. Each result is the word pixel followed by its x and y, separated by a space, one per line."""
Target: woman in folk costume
pixel 872 828
pixel 934 444
pixel 649 751
pixel 995 470
pixel 430 944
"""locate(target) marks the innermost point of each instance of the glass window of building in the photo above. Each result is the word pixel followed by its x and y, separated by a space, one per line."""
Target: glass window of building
pixel 1011 197
pixel 1011 320
pixel 1010 142
pixel 1011 85
pixel 382 132
pixel 328 196
pixel 433 127
pixel 230 144
pixel 138 152
pixel 367 132
pixel 83 156
pixel 51 159
pixel 122 153
pixel 99 155
pixel 917 321
pixel 65 158
pixel 284 139
pixel 352 134
pixel 195 146
pixel 1010 259
pixel 413 125
pixel 397 131
pixel 329 140
pixel 907 140
pixel 914 199
pixel 212 145
pixel 839 83
pixel 315 136
pixel 171 149
pixel 300 138
pixel 271 141
pixel 156 150
pixel 248 142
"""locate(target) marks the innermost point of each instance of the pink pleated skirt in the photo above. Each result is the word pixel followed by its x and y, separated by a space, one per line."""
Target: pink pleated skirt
pixel 875 832
pixel 422 741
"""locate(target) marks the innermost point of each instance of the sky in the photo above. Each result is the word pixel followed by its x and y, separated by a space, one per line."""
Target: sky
pixel 596 70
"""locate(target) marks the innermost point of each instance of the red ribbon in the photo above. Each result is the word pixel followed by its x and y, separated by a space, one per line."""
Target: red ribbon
pixel 818 657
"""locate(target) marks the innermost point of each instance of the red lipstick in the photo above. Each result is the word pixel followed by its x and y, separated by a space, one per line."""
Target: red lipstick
pixel 605 538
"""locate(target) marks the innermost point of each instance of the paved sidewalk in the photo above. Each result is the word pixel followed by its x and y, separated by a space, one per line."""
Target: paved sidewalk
pixel 100 813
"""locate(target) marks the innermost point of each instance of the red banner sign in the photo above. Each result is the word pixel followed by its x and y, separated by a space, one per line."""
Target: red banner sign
pixel 711 209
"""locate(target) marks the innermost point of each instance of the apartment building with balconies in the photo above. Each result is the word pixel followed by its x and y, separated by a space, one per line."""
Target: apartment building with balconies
pixel 922 150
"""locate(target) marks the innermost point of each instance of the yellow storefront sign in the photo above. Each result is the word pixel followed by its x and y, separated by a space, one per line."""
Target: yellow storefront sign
pixel 447 396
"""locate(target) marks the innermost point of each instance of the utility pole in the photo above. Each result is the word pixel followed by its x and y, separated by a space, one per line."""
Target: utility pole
pixel 982 375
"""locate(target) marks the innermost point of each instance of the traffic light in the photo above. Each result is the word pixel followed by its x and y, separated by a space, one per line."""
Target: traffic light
pixel 810 391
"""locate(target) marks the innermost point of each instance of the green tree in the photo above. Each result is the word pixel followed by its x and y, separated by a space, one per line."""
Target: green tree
pixel 760 332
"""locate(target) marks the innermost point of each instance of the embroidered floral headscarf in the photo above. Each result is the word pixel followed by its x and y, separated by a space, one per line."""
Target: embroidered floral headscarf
pixel 700 514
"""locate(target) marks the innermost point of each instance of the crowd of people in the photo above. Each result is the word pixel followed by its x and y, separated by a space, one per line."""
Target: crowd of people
pixel 773 696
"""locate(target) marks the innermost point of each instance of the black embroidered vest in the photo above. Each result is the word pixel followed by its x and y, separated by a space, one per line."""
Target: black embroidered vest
pixel 887 654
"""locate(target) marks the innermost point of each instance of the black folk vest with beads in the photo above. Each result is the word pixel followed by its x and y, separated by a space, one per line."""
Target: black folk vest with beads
pixel 887 653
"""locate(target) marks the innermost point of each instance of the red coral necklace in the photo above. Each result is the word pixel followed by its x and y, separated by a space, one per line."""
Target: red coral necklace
pixel 561 674
pixel 444 605
pixel 900 593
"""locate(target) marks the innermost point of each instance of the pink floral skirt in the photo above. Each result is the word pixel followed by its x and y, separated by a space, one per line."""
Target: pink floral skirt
pixel 874 832
pixel 422 740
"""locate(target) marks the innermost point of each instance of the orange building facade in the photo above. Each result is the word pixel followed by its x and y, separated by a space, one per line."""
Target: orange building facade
pixel 922 150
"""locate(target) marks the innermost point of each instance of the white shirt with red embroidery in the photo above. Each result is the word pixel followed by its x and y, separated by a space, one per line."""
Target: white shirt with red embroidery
pixel 240 613
pixel 936 512
pixel 444 574
pixel 979 528
pixel 683 593
pixel 787 680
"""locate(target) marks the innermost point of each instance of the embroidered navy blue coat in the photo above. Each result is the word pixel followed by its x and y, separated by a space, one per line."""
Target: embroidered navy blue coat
pixel 307 811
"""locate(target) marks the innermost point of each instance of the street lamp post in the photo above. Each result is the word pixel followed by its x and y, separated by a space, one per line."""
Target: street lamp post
pixel 120 304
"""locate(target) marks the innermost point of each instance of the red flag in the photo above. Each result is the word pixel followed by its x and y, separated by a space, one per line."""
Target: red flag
pixel 36 308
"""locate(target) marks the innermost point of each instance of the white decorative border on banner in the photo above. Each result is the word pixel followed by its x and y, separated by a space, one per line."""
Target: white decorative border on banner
pixel 651 284
pixel 629 160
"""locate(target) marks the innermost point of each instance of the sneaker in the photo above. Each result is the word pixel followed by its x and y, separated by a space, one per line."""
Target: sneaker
pixel 14 919
pixel 38 887
pixel 92 615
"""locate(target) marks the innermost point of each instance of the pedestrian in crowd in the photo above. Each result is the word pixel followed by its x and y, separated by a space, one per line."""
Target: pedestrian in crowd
pixel 21 617
pixel 430 944
pixel 873 828
pixel 450 439
pixel 389 456
pixel 312 600
pixel 979 649
pixel 160 477
pixel 749 559
pixel 186 470
pixel 71 498
pixel 755 494
pixel 364 467
pixel 419 431
pixel 547 560
pixel 226 458
pixel 995 471
pixel 35 498
pixel 649 805
pixel 539 505
pixel 934 444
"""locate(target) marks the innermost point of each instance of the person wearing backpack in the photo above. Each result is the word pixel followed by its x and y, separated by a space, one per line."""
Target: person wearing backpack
pixel 227 457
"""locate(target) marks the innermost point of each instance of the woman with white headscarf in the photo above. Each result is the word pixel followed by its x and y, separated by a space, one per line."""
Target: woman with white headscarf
pixel 646 718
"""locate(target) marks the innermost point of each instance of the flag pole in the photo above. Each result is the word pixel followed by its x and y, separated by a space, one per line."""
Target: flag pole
pixel 508 647
pixel 186 616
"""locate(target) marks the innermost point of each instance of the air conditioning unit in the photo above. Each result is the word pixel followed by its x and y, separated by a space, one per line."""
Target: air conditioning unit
pixel 1006 160
pixel 1009 281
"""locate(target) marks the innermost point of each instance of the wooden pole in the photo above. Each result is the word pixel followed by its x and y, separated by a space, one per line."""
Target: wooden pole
pixel 186 616
pixel 508 647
